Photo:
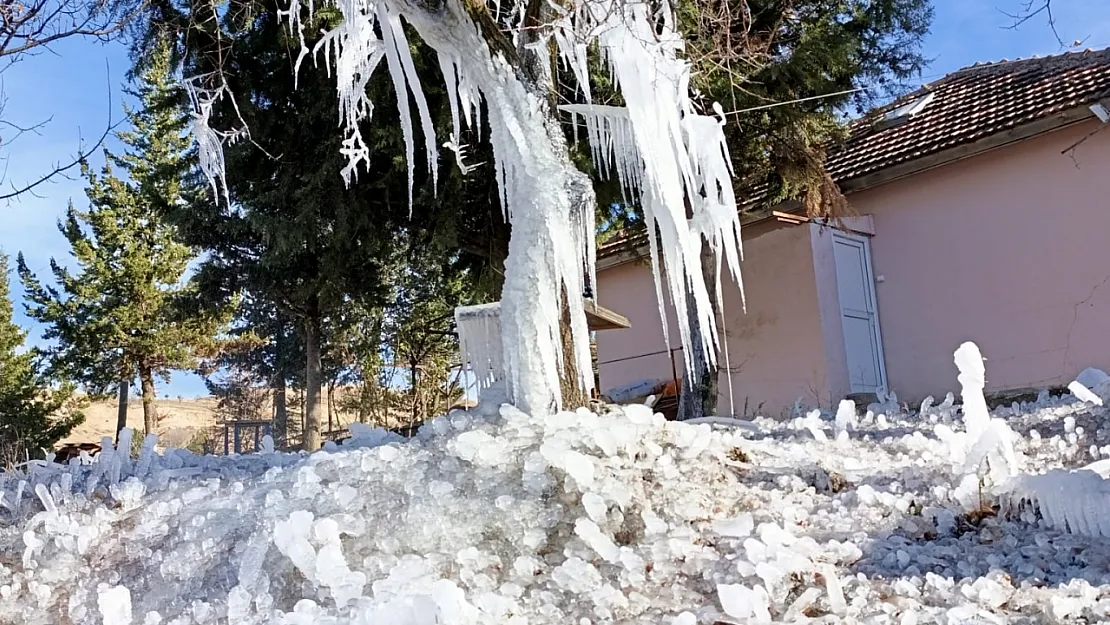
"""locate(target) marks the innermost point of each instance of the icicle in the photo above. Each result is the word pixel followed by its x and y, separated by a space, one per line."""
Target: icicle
pixel 401 89
pixel 45 498
pixel 146 455
pixel 209 142
pixel 413 80
pixel 447 68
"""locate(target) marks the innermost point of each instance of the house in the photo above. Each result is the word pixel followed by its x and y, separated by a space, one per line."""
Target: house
pixel 983 204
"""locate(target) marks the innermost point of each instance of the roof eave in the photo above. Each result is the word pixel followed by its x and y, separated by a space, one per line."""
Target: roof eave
pixel 925 163
pixel 989 143
pixel 892 173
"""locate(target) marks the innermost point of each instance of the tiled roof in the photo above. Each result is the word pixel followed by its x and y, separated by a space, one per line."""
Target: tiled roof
pixel 971 104
pixel 963 107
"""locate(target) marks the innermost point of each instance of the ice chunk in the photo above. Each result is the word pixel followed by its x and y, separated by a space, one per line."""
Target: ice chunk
pixel 595 507
pixel 1083 393
pixel 481 449
pixel 331 569
pixel 115 605
pixel 845 417
pixel 798 607
pixel 738 527
pixel 834 588
pixel 589 532
pixel 1094 379
pixel 742 602
pixel 291 539
pixel 577 576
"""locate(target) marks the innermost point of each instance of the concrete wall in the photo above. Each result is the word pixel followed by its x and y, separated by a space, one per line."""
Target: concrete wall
pixel 776 350
pixel 1009 249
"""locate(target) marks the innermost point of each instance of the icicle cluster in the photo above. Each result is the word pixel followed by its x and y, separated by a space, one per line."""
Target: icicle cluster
pixel 667 156
pixel 479 329
pixel 1070 501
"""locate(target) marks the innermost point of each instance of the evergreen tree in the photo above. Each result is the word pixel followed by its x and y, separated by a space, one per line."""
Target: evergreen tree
pixel 261 351
pixel 34 413
pixel 125 312
pixel 419 326
pixel 294 234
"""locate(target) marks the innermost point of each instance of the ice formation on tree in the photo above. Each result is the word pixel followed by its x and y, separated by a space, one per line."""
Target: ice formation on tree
pixel 668 156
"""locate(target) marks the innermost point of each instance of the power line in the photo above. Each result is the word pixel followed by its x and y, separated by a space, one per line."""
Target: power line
pixel 812 97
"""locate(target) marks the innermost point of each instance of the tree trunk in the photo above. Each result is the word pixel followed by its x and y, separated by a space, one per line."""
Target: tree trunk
pixel 281 405
pixel 413 366
pixel 121 411
pixel 574 396
pixel 364 399
pixel 331 405
pixel 281 412
pixel 313 410
pixel 150 408
pixel 699 387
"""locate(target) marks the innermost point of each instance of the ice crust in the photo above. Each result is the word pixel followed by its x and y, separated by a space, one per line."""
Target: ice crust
pixel 495 516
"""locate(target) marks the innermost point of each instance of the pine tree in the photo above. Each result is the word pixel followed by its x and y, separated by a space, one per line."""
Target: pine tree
pixel 34 414
pixel 296 237
pixel 126 312
pixel 418 326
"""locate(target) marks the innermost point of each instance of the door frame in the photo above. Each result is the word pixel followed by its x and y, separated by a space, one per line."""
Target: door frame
pixel 869 282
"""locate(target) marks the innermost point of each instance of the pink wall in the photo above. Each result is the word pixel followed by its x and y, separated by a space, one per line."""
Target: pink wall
pixel 776 350
pixel 1009 249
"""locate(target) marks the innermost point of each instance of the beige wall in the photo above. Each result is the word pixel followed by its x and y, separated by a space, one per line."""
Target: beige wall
pixel 1010 249
pixel 775 351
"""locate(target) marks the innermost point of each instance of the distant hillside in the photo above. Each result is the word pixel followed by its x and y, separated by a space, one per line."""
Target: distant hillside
pixel 181 419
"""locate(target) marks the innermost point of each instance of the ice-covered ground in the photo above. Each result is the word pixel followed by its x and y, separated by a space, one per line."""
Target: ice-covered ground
pixel 567 519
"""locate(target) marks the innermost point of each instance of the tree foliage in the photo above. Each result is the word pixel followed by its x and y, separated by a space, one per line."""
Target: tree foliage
pixel 292 237
pixel 35 412
pixel 126 311
pixel 418 327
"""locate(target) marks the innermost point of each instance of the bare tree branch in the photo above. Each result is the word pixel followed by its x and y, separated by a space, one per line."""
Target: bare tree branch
pixel 60 168
pixel 29 27
pixel 1034 8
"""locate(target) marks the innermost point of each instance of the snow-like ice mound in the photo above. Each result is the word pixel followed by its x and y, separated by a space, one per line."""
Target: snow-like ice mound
pixel 563 519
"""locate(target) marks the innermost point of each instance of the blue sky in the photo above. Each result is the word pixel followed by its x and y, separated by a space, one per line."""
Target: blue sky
pixel 70 90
